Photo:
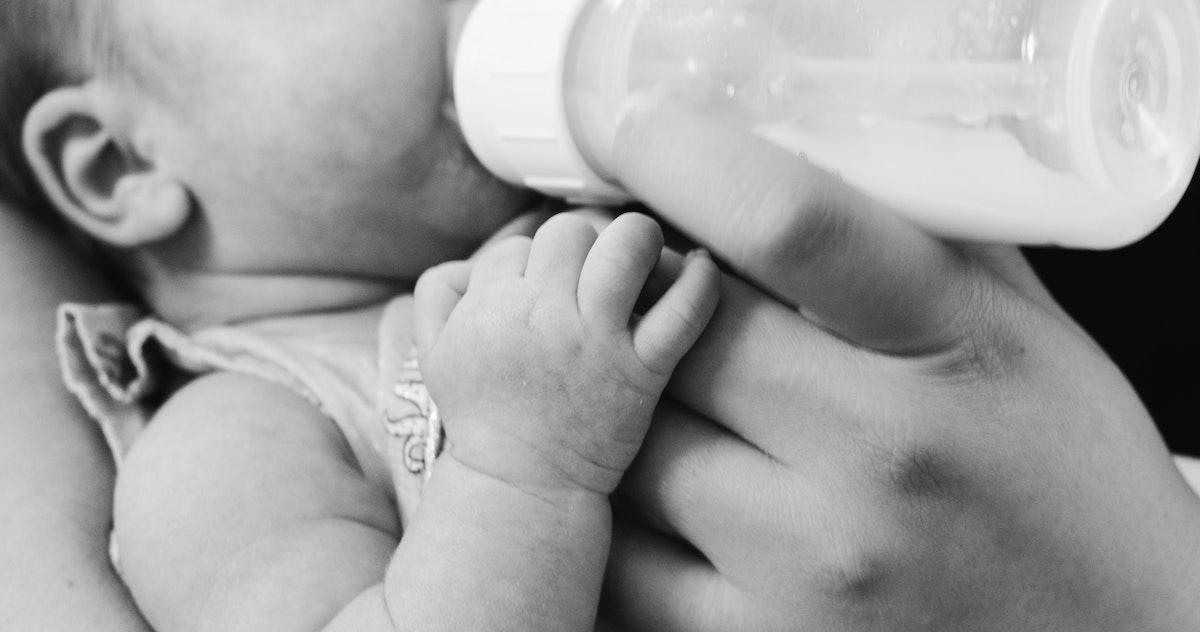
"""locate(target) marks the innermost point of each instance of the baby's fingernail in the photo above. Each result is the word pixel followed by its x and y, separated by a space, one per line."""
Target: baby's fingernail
pixel 699 253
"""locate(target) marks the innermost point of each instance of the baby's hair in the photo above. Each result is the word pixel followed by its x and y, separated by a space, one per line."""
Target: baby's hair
pixel 44 44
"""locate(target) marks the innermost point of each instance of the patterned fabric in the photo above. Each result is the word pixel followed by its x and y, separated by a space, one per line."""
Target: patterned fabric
pixel 358 367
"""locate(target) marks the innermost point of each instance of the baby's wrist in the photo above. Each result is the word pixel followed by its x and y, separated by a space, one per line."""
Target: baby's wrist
pixel 534 466
pixel 520 492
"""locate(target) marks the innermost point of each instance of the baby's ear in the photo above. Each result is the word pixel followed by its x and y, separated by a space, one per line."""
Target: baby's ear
pixel 95 178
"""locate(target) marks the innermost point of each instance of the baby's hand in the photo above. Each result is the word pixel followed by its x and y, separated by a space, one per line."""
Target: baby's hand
pixel 543 374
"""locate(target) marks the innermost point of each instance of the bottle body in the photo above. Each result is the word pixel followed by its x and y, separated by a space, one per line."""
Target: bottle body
pixel 1072 122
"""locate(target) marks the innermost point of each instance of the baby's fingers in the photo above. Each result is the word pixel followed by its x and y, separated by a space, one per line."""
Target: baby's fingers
pixel 503 260
pixel 616 269
pixel 437 293
pixel 674 323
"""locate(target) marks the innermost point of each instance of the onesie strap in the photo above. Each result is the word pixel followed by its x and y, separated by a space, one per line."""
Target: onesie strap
pixel 110 374
pixel 121 363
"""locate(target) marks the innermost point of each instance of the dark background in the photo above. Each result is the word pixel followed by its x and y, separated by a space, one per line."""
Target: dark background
pixel 1140 303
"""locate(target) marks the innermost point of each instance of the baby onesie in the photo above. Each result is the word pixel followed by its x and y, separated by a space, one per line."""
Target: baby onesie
pixel 357 367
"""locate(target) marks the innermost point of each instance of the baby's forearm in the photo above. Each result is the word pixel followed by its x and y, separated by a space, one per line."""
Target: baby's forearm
pixel 483 554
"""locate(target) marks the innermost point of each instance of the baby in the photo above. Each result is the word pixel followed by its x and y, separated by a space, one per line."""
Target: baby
pixel 271 176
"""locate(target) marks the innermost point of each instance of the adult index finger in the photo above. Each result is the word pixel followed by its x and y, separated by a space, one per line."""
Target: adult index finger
pixel 793 228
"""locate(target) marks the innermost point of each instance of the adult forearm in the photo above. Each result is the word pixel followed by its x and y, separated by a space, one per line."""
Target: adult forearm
pixel 55 474
pixel 54 569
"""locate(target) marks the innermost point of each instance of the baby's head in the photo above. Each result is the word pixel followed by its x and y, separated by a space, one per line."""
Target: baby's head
pixel 252 137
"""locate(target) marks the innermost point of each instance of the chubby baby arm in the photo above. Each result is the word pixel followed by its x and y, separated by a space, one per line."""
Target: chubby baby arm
pixel 241 508
pixel 546 381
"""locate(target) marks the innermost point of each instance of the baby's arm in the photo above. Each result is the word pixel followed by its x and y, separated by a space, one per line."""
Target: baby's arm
pixel 546 382
pixel 242 509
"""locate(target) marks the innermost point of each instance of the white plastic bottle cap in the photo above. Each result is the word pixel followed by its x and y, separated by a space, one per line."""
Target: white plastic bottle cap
pixel 508 91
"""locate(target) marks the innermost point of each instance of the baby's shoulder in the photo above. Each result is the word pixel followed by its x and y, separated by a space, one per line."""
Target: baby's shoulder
pixel 236 483
pixel 241 411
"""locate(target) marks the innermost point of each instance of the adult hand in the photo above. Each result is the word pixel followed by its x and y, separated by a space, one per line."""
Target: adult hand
pixel 927 443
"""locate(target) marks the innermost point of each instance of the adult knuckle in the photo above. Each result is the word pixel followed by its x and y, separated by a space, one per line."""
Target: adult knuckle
pixel 855 578
pixel 856 575
pixel 993 345
pixel 921 472
pixel 914 460
pixel 985 356
pixel 863 568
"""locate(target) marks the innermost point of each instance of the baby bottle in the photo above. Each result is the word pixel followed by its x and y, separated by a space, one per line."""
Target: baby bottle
pixel 1069 122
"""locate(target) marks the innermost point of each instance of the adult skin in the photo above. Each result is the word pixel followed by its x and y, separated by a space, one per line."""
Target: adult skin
pixel 959 455
pixel 55 474
pixel 946 450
